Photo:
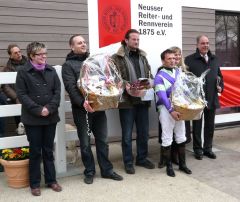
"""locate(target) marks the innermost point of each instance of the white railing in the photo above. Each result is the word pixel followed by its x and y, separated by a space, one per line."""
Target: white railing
pixel 63 136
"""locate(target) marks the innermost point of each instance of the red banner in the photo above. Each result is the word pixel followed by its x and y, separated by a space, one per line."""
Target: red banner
pixel 114 19
pixel 231 94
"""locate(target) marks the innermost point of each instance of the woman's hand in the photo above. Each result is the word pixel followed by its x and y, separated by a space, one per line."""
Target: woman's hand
pixel 45 111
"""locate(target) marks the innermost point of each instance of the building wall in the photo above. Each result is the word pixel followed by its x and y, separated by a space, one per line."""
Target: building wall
pixel 48 21
pixel 53 22
pixel 197 21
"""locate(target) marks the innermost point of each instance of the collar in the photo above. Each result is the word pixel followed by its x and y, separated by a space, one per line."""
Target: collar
pixel 198 55
pixel 168 68
pixel 123 50
pixel 30 67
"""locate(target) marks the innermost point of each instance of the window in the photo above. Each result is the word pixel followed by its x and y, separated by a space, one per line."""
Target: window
pixel 228 44
pixel 228 38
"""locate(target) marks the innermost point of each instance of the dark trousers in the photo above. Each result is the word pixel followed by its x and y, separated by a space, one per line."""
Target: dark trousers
pixel 17 119
pixel 139 115
pixel 98 125
pixel 2 127
pixel 209 119
pixel 41 139
pixel 3 101
pixel 188 131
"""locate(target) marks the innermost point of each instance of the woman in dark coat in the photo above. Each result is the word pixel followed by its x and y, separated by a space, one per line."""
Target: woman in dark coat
pixel 38 90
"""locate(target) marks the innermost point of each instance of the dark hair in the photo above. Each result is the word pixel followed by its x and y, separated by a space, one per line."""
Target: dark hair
pixel 130 31
pixel 10 46
pixel 164 53
pixel 33 47
pixel 71 39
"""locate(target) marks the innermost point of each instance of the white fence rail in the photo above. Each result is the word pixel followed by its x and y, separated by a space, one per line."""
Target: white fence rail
pixel 61 135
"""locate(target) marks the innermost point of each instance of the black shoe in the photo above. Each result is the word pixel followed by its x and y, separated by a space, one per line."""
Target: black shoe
pixel 170 171
pixel 146 164
pixel 210 154
pixel 198 156
pixel 113 176
pixel 186 170
pixel 88 179
pixel 129 169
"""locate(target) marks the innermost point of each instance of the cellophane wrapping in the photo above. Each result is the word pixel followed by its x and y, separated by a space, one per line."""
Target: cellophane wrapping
pixel 188 96
pixel 138 88
pixel 100 82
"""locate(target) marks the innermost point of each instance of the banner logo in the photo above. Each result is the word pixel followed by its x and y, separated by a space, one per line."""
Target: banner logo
pixel 114 19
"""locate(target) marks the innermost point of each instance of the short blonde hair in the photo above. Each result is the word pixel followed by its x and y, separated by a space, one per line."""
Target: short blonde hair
pixel 34 47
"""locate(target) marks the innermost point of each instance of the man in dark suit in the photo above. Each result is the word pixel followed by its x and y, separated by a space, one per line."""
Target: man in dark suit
pixel 199 62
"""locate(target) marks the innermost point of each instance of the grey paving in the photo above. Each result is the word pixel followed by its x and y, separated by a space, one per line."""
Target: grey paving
pixel 212 180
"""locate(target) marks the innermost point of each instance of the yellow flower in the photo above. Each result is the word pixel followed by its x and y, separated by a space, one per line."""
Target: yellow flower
pixel 15 153
pixel 6 151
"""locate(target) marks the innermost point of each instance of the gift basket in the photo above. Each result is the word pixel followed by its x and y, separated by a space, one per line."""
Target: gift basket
pixel 187 96
pixel 100 82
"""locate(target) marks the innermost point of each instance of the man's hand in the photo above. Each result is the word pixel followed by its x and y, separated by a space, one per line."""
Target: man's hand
pixel 17 101
pixel 88 107
pixel 219 89
pixel 44 112
pixel 175 115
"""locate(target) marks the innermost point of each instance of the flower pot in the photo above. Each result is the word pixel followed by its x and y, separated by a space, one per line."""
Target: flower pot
pixel 17 172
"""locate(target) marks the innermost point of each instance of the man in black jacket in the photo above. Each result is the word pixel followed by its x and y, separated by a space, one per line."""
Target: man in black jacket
pixel 198 62
pixel 97 121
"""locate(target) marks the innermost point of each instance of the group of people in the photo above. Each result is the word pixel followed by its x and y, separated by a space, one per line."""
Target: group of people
pixel 38 90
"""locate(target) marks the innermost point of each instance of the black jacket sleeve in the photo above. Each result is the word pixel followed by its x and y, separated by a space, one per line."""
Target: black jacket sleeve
pixel 70 83
pixel 55 101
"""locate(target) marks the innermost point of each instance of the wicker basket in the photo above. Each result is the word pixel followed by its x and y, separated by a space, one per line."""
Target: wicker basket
pixel 188 114
pixel 100 102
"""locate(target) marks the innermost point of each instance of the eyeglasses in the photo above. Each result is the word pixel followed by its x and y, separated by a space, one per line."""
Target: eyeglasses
pixel 40 54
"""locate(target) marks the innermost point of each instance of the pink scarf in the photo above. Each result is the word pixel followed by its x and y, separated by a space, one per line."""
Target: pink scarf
pixel 38 67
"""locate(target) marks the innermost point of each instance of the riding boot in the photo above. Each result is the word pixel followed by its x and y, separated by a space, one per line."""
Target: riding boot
pixel 174 153
pixel 167 158
pixel 182 159
pixel 162 162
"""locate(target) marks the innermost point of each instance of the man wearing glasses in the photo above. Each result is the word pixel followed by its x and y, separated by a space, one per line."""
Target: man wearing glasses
pixel 16 59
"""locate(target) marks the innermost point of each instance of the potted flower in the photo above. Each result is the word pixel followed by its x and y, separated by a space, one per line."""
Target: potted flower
pixel 16 166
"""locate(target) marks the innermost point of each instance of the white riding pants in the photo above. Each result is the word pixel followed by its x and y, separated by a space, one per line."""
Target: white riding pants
pixel 171 127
